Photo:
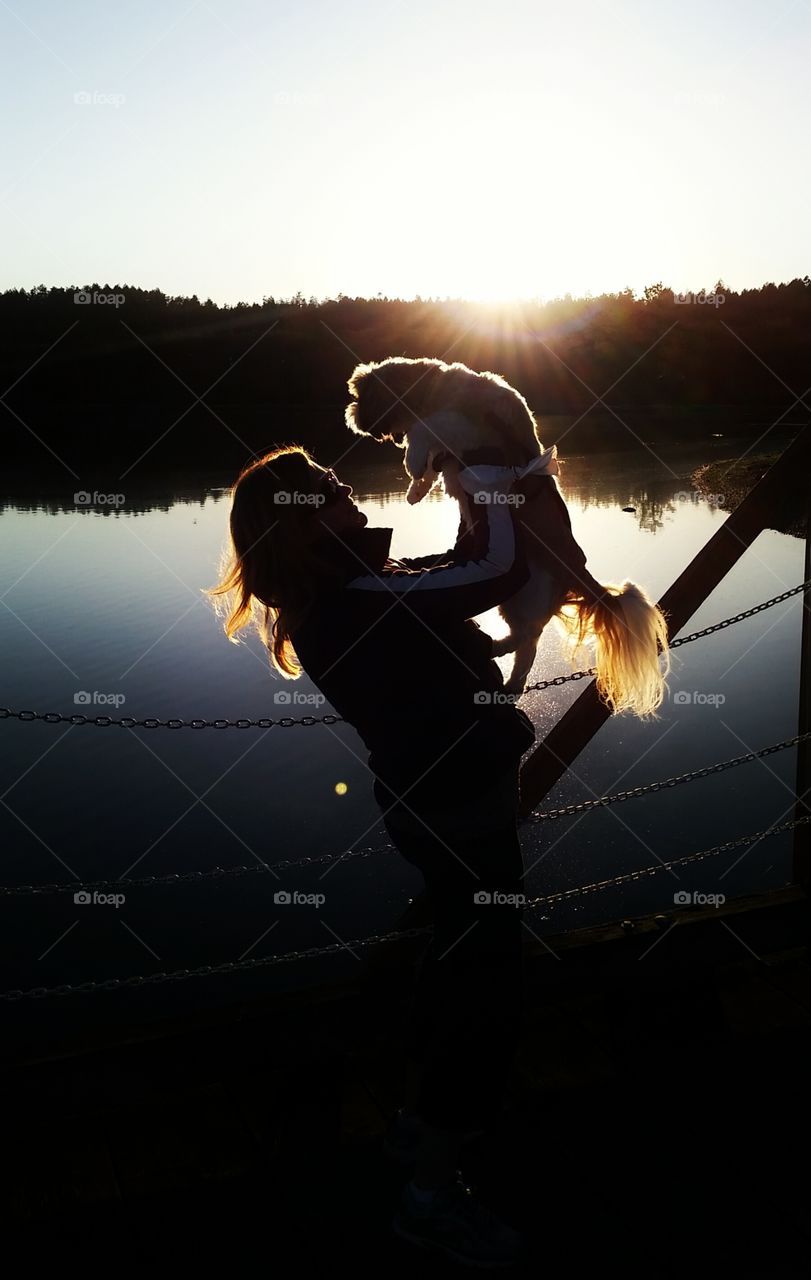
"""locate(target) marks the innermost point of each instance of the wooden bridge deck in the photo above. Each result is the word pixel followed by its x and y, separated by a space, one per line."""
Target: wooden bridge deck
pixel 658 1123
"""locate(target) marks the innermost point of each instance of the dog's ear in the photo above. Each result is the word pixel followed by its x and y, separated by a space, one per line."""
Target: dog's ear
pixel 355 384
pixel 375 409
pixel 359 374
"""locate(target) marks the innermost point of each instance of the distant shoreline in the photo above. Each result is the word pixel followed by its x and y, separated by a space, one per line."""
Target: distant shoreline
pixel 188 474
pixel 165 436
pixel 730 480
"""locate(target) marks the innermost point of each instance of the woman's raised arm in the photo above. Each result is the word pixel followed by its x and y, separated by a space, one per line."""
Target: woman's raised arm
pixel 467 585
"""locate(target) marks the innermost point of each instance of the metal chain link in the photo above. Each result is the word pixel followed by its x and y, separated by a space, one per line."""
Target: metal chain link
pixel 152 722
pixel 629 876
pixel 287 722
pixel 347 855
pixel 206 970
pixel 236 966
pixel 185 877
pixel 633 792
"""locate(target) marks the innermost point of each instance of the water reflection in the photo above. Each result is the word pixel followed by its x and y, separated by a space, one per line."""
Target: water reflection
pixel 108 601
pixel 652 481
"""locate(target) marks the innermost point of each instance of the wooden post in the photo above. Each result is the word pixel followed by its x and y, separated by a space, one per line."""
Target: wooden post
pixel 785 481
pixel 802 835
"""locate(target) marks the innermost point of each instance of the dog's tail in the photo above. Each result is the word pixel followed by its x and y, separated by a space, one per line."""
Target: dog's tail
pixel 628 631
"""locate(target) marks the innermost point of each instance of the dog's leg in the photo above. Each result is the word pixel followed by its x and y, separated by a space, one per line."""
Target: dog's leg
pixel 507 644
pixel 442 431
pixel 526 614
pixel 418 465
pixel 523 662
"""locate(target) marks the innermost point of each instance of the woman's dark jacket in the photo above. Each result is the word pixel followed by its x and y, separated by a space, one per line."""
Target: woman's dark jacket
pixel 393 648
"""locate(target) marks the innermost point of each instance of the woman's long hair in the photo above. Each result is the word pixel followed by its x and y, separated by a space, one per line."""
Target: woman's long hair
pixel 270 573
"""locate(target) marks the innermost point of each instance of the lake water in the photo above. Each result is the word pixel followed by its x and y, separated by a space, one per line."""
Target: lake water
pixel 108 603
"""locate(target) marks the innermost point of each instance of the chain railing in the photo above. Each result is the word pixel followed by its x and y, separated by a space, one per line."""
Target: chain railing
pixel 647 788
pixel 347 855
pixel 218 873
pixel 288 722
pixel 356 944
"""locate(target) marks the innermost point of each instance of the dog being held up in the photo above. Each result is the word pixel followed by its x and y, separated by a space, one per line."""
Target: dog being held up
pixel 436 412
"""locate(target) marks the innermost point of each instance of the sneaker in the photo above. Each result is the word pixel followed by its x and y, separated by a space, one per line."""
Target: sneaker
pixel 402 1136
pixel 455 1223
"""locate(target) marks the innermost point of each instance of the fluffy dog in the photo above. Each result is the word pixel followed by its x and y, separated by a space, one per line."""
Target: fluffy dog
pixel 436 412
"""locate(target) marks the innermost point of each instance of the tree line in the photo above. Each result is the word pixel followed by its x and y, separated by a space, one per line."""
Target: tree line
pixel 114 362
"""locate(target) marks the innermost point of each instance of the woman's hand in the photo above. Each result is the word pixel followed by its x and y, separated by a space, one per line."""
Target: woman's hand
pixel 474 475
pixel 484 456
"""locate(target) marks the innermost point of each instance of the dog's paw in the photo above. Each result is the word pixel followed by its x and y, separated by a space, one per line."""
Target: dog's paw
pixel 418 489
pixel 507 644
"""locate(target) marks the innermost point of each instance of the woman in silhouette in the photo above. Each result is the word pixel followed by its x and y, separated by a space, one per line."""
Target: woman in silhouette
pixel 392 646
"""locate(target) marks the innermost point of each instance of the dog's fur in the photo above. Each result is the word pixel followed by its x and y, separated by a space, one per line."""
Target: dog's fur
pixel 430 408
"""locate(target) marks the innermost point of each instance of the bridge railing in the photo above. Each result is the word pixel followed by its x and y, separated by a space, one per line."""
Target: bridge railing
pixel 786 484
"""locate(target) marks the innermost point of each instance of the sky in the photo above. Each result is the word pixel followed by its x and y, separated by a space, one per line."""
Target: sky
pixel 237 150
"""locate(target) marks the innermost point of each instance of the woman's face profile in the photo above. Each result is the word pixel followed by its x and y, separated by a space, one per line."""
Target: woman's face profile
pixel 337 511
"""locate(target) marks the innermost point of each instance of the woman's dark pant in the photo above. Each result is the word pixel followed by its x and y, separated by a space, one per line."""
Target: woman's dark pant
pixel 466 1012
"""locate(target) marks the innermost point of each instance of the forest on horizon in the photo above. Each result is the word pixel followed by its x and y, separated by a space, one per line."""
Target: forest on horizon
pixel 116 367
